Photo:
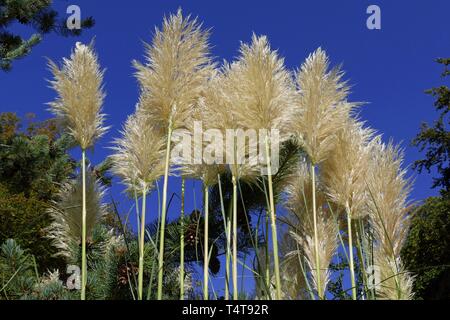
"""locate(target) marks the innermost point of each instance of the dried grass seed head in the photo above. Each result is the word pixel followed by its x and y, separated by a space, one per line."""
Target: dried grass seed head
pixel 78 84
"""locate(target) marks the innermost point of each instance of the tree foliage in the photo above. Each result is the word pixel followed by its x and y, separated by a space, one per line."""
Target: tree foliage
pixel 36 14
pixel 427 250
pixel 33 163
pixel 435 140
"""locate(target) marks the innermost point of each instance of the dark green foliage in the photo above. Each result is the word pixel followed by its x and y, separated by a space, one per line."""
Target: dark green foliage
pixel 427 250
pixel 24 218
pixel 16 271
pixel 33 163
pixel 34 159
pixel 38 15
pixel 436 140
pixel 19 277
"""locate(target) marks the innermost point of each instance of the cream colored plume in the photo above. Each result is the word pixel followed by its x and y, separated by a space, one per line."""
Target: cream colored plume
pixel 216 106
pixel 177 68
pixel 322 106
pixel 293 269
pixel 389 216
pixel 80 95
pixel 139 153
pixel 299 204
pixel 345 169
pixel 207 172
pixel 65 230
pixel 263 91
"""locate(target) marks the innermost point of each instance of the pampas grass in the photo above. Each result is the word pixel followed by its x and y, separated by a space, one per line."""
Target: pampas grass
pixel 303 228
pixel 343 167
pixel 65 231
pixel 139 160
pixel 389 216
pixel 177 67
pixel 78 84
pixel 322 111
pixel 263 100
pixel 219 103
pixel 344 173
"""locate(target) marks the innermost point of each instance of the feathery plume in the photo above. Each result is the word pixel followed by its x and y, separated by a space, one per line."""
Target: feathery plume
pixel 263 91
pixel 218 105
pixel 177 68
pixel 346 167
pixel 389 216
pixel 139 153
pixel 139 160
pixel 80 95
pixel 322 106
pixel 344 173
pixel 79 105
pixel 263 94
pixel 302 230
pixel 66 228
pixel 322 111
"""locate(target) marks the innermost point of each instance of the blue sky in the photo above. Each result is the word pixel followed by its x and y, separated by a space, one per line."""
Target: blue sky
pixel 388 68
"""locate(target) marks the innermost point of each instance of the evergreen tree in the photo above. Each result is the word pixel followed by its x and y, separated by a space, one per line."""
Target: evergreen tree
pixel 37 14
pixel 435 140
pixel 33 163
pixel 427 250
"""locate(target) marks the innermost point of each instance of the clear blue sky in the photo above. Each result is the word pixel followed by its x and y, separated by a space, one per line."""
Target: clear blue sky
pixel 389 68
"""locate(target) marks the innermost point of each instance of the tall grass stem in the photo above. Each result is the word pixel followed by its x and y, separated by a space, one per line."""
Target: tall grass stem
pixel 83 231
pixel 273 223
pixel 163 215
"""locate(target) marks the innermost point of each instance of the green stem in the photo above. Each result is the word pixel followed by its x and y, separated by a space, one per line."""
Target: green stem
pixel 228 255
pixel 273 224
pixel 267 259
pixel 163 215
pixel 142 244
pixel 83 232
pixel 266 246
pixel 206 246
pixel 183 182
pixel 235 239
pixel 350 249
pixel 316 235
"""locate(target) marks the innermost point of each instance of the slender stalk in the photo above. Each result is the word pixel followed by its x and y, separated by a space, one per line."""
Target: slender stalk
pixel 316 235
pixel 206 246
pixel 183 182
pixel 138 223
pixel 228 256
pixel 350 249
pixel 163 214
pixel 361 252
pixel 266 245
pixel 142 243
pixel 273 224
pixel 227 225
pixel 267 259
pixel 235 239
pixel 83 231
